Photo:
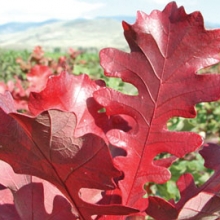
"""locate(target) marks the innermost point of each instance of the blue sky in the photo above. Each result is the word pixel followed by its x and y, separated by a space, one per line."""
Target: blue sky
pixel 40 10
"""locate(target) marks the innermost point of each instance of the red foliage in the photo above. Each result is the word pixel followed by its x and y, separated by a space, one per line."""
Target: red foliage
pixel 36 80
pixel 43 200
pixel 49 150
pixel 165 54
pixel 38 68
pixel 37 77
pixel 36 58
pixel 100 161
pixel 71 93
pixel 195 203
pixel 74 53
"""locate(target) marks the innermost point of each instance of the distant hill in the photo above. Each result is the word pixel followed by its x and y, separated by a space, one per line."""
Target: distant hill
pixel 80 33
pixel 128 19
pixel 95 33
pixel 13 27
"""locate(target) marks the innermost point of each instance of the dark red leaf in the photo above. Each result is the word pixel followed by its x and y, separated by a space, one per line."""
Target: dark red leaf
pixel 196 202
pixel 167 49
pixel 7 208
pixel 75 93
pixel 33 206
pixel 160 209
pixel 6 197
pixel 45 146
pixel 71 93
pixel 31 198
pixel 204 200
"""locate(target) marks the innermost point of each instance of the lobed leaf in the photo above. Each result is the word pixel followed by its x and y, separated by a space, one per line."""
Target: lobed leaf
pixel 28 197
pixel 75 94
pixel 196 202
pixel 66 139
pixel 37 77
pixel 45 146
pixel 167 49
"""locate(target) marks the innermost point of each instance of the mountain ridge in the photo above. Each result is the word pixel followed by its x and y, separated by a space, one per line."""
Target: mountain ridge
pixel 96 33
pixel 79 33
pixel 12 27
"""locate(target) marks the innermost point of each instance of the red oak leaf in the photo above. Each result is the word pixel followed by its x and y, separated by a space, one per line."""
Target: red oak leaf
pixel 42 199
pixel 37 77
pixel 167 50
pixel 45 146
pixel 20 90
pixel 68 92
pixel 196 202
pixel 7 208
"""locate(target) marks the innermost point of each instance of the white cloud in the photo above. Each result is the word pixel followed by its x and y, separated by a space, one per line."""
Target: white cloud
pixel 26 10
